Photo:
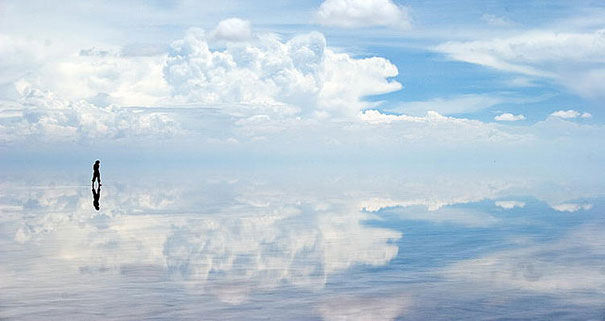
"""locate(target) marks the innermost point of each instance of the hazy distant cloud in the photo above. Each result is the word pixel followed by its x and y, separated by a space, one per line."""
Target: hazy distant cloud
pixel 568 114
pixel 571 207
pixel 509 204
pixel 509 117
pixel 436 127
pixel 362 13
pixel 233 29
pixel 45 117
pixel 451 105
pixel 575 60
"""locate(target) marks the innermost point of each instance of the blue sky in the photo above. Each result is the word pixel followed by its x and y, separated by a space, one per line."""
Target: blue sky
pixel 303 77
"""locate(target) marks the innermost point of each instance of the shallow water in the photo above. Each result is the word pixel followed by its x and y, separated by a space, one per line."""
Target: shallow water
pixel 300 244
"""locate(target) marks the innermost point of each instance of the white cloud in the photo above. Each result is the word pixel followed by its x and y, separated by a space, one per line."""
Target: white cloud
pixel 125 81
pixel 509 204
pixel 262 76
pixel 233 29
pixel 572 59
pixel 571 207
pixel 43 116
pixel 447 106
pixel 361 13
pixel 263 89
pixel 509 117
pixel 299 75
pixel 568 114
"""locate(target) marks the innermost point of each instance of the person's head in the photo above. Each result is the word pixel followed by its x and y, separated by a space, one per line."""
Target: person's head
pixel 97 162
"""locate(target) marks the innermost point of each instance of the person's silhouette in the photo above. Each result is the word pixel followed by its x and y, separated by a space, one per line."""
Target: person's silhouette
pixel 95 197
pixel 96 174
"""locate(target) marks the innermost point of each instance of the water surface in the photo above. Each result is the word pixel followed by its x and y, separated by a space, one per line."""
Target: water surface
pixel 300 244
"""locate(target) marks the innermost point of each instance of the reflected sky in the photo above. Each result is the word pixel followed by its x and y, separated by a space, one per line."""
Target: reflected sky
pixel 300 245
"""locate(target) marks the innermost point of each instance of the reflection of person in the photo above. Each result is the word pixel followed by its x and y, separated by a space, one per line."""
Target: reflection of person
pixel 96 196
pixel 96 174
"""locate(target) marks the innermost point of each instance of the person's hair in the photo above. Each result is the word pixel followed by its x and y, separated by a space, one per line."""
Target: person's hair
pixel 98 161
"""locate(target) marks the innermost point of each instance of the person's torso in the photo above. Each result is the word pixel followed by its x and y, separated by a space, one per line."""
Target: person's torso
pixel 95 167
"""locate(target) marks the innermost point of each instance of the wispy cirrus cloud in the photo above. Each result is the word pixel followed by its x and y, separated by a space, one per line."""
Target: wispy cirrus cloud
pixel 573 59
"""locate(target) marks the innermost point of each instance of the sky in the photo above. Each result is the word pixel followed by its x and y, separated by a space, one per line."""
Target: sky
pixel 346 80
pixel 476 121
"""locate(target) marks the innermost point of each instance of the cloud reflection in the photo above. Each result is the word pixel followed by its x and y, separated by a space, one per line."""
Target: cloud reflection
pixel 228 251
pixel 220 245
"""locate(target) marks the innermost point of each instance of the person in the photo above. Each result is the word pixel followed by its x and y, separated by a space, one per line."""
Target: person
pixel 96 174
pixel 96 196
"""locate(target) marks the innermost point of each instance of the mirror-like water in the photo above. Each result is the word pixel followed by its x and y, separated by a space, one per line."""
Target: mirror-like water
pixel 299 245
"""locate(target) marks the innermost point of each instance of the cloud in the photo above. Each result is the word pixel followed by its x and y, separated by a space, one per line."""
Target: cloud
pixel 447 106
pixel 436 127
pixel 448 215
pixel 250 242
pixel 572 59
pixel 300 75
pixel 362 308
pixel 568 114
pixel 44 117
pixel 259 77
pixel 20 56
pixel 362 13
pixel 295 94
pixel 233 29
pixel 439 199
pixel 509 204
pixel 126 80
pixel 566 268
pixel 509 117
pixel 571 207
